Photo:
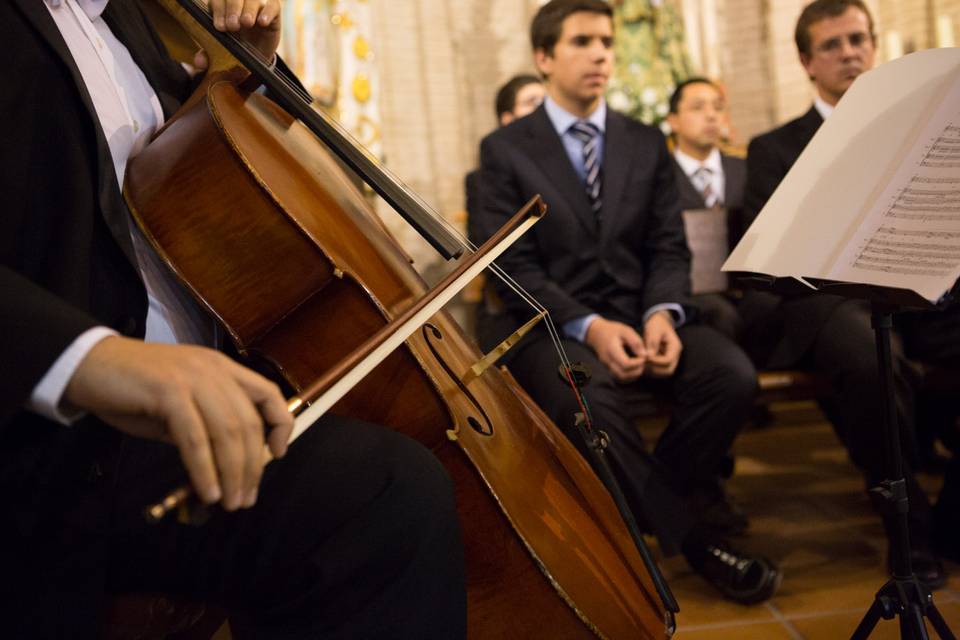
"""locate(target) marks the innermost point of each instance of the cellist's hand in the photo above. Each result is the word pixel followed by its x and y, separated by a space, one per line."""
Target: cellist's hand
pixel 210 407
pixel 257 22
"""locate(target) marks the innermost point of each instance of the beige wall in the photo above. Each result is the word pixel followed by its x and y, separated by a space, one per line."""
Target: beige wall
pixel 441 63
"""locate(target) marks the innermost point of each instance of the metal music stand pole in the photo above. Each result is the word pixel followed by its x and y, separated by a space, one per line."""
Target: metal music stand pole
pixel 903 596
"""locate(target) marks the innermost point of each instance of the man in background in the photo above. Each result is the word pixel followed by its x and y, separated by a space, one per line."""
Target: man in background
pixel 832 335
pixel 610 263
pixel 707 179
pixel 519 96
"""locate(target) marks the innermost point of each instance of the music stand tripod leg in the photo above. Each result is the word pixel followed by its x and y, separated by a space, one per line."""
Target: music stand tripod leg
pixel 903 596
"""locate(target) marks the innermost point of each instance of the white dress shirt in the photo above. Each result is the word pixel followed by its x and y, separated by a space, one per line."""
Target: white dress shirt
pixel 129 113
pixel 823 107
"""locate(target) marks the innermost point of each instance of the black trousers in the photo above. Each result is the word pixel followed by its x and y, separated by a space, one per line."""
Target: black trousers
pixel 710 395
pixel 354 535
pixel 844 352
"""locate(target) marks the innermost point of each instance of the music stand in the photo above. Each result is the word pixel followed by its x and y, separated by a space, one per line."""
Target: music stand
pixel 903 596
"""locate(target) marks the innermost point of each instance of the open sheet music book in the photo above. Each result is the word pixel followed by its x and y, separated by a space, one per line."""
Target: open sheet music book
pixel 874 199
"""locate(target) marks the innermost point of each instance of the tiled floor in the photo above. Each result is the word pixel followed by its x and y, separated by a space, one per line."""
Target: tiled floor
pixel 809 513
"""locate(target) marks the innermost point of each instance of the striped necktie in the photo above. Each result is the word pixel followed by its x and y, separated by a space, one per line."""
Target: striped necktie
pixel 589 134
pixel 703 181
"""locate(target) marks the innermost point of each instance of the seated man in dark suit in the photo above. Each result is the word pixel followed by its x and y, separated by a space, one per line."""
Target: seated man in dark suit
pixel 610 263
pixel 110 387
pixel 519 96
pixel 828 334
pixel 707 179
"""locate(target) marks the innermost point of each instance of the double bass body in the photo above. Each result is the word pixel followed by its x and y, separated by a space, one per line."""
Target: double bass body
pixel 287 255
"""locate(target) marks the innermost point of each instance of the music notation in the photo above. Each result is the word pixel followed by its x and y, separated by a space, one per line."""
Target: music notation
pixel 919 232
pixel 890 252
pixel 944 151
pixel 874 199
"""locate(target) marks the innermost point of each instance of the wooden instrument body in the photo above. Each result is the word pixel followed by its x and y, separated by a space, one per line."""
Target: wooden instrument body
pixel 261 224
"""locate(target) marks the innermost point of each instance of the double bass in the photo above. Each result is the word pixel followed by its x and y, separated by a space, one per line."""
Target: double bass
pixel 285 252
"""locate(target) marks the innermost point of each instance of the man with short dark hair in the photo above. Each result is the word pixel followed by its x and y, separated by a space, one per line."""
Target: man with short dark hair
pixel 609 262
pixel 829 334
pixel 519 96
pixel 707 178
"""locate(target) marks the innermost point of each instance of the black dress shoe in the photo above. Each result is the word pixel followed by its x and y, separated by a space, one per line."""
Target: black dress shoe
pixel 742 578
pixel 926 566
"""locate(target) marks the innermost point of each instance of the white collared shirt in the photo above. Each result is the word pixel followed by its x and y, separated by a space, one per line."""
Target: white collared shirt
pixel 562 120
pixel 823 107
pixel 129 113
pixel 713 164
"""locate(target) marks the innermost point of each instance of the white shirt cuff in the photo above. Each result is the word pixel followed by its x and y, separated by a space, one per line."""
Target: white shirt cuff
pixel 46 396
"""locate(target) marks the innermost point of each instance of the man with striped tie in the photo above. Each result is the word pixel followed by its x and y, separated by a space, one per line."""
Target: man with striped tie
pixel 707 179
pixel 610 263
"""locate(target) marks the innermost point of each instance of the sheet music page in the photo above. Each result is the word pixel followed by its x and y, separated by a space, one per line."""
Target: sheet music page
pixel 709 244
pixel 831 203
pixel 911 236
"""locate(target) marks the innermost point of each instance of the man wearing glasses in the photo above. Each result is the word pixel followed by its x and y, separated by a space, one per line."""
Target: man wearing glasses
pixel 828 334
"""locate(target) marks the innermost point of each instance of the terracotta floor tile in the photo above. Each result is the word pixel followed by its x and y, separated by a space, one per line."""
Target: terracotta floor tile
pixel 700 604
pixel 954 583
pixel 809 513
pixel 762 631
pixel 840 626
pixel 950 612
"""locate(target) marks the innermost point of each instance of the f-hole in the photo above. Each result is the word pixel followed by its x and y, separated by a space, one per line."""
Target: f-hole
pixel 484 427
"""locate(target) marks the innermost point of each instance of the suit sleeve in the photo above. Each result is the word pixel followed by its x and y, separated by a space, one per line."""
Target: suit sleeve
pixel 35 328
pixel 500 198
pixel 665 253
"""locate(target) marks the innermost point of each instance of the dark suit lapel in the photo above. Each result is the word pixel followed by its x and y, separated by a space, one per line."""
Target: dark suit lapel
pixel 690 198
pixel 809 123
pixel 39 16
pixel 548 153
pixel 617 158
pixel 111 202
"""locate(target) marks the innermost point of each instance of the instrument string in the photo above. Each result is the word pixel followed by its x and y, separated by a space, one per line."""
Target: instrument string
pixel 307 101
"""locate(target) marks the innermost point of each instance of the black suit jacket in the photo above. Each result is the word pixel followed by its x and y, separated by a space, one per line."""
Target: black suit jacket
pixel 771 155
pixel 66 260
pixel 734 179
pixel 781 329
pixel 471 188
pixel 66 264
pixel 636 257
